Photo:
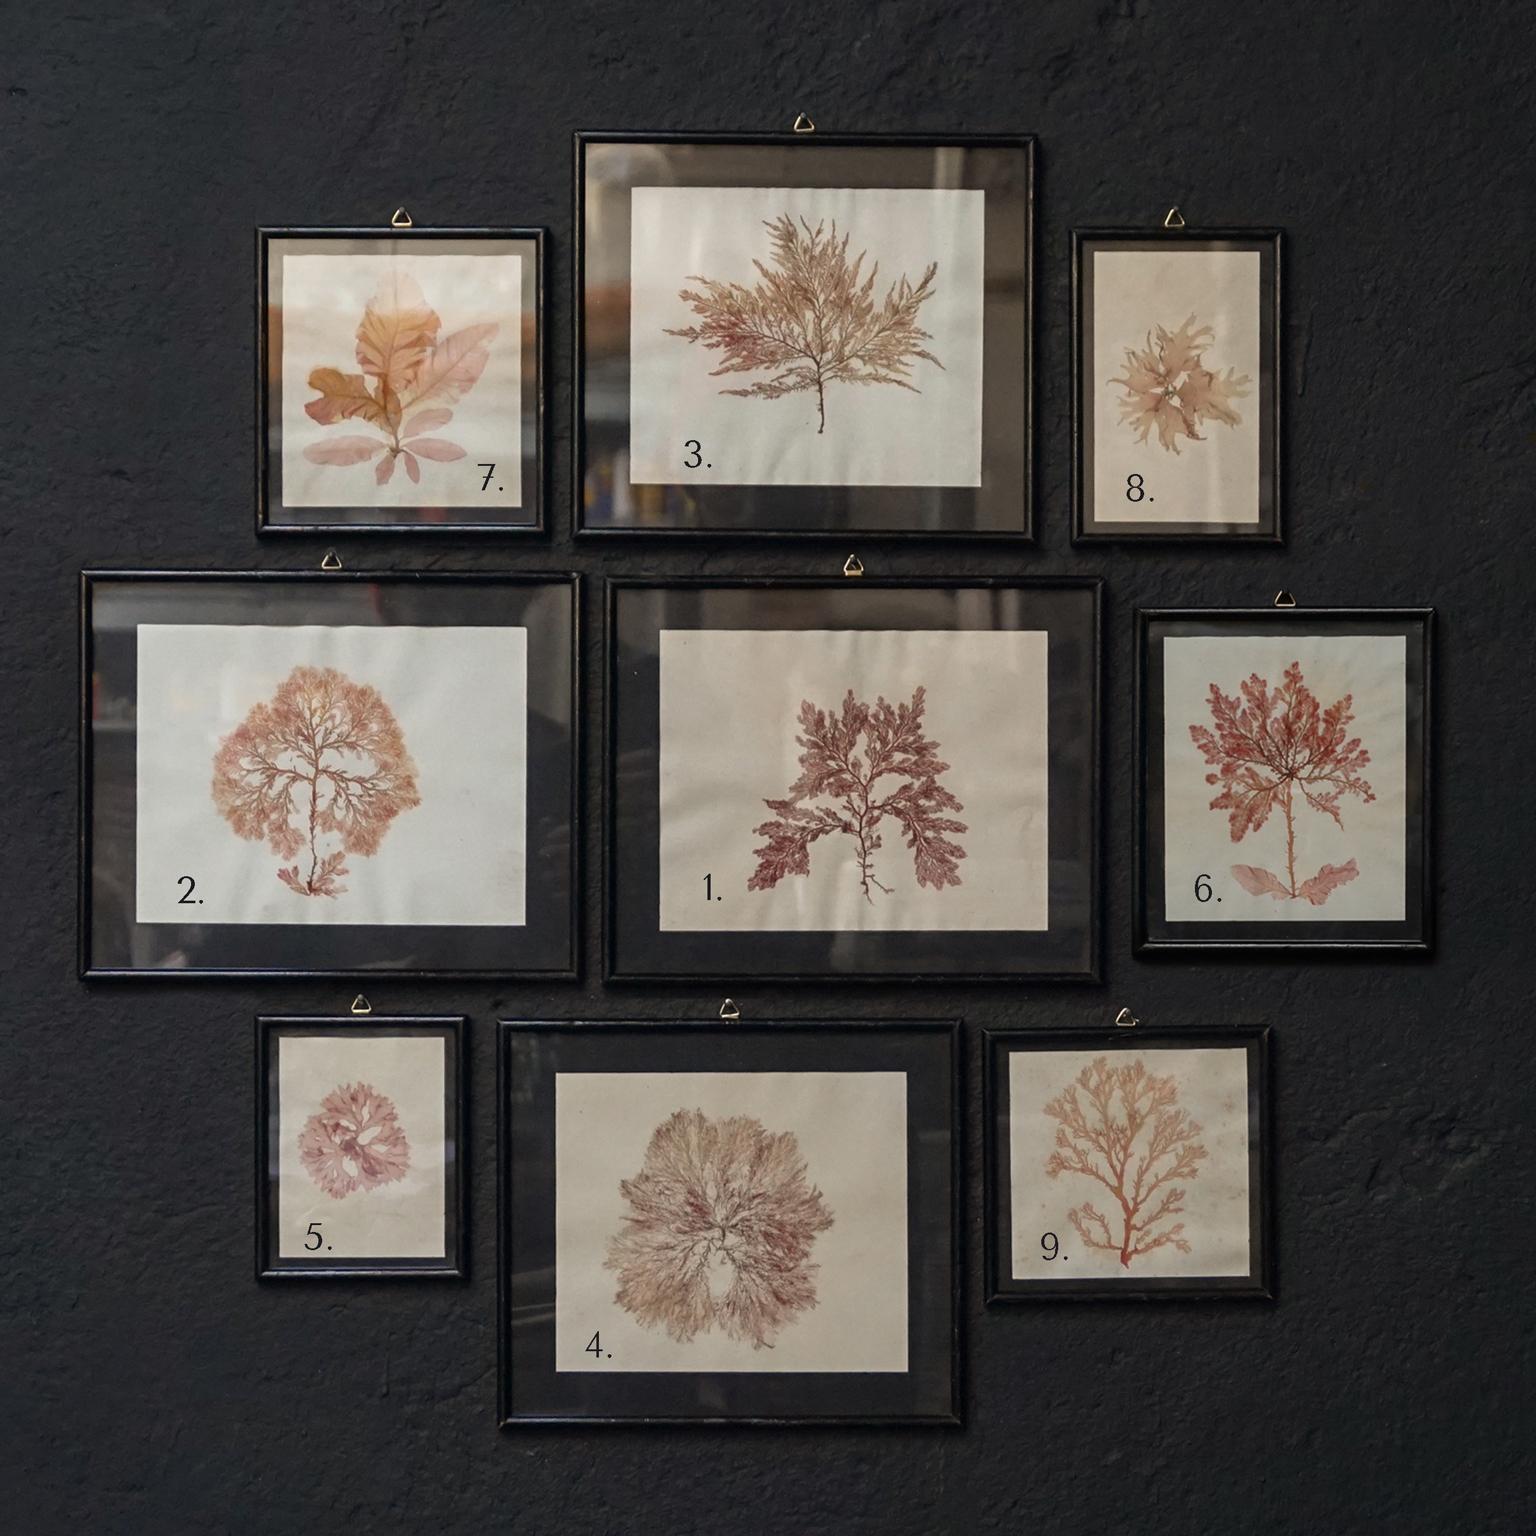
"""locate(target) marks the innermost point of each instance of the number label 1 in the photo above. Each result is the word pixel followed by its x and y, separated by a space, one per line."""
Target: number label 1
pixel 1049 1247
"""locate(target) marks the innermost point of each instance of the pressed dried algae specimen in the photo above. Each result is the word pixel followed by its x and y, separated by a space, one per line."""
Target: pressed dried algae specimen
pixel 355 1141
pixel 409 377
pixel 1126 1133
pixel 1269 747
pixel 323 761
pixel 718 1231
pixel 1168 386
pixel 833 767
pixel 811 319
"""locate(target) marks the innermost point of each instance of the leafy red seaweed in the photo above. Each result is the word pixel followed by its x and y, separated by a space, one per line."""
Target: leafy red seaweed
pixel 832 766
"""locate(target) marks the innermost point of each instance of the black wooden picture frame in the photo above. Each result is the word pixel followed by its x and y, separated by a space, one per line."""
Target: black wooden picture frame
pixel 1001 507
pixel 272 517
pixel 638 950
pixel 1003 1288
pixel 1088 525
pixel 114 944
pixel 454 1264
pixel 532 1391
pixel 1154 933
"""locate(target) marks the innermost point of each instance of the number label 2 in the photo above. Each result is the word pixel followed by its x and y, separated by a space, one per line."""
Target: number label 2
pixel 187 899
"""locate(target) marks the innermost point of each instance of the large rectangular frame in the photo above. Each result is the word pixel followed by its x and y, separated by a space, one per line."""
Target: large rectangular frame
pixel 896 943
pixel 1004 1289
pixel 534 472
pixel 316 582
pixel 1270 528
pixel 838 525
pixel 1224 938
pixel 861 1040
pixel 453 1028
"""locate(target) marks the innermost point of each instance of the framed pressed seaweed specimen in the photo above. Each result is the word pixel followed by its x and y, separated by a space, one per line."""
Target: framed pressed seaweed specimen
pixel 360 1147
pixel 1128 1162
pixel 1284 779
pixel 729 1223
pixel 400 383
pixel 804 333
pixel 327 773
pixel 852 781
pixel 1176 373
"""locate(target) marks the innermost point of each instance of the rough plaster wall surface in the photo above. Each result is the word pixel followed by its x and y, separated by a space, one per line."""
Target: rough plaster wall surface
pixel 151 1385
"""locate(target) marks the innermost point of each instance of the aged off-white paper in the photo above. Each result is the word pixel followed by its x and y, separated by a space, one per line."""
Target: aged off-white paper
pixel 731 704
pixel 1214 479
pixel 459 697
pixel 873 433
pixel 850 1129
pixel 1211 1088
pixel 403 1218
pixel 323 299
pixel 1371 669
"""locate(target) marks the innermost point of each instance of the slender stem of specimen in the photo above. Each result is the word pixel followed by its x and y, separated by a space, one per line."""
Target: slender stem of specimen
pixel 1290 839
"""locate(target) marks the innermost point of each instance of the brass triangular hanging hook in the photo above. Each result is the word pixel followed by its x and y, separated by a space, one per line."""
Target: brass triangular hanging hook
pixel 1283 599
pixel 331 561
pixel 1126 1019
pixel 400 219
pixel 803 124
pixel 360 1004
pixel 853 566
pixel 1173 219
pixel 729 1010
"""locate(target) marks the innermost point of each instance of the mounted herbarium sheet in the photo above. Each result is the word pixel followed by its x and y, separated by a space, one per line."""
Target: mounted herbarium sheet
pixel 728 1222
pixel 853 780
pixel 314 773
pixel 401 384
pixel 1284 773
pixel 1127 1162
pixel 1176 398
pixel 360 1126
pixel 808 334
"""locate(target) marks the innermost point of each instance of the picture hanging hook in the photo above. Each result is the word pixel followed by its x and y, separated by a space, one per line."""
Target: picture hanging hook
pixel 853 566
pixel 400 219
pixel 1125 1019
pixel 803 124
pixel 1283 599
pixel 331 561
pixel 1173 219
pixel 729 1010
pixel 360 1004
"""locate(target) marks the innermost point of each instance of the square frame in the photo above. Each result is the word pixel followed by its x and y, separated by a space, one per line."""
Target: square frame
pixel 1415 934
pixel 1269 529
pixel 534 469
pixel 1000 1285
pixel 559 639
pixel 1075 682
pixel 831 501
pixel 452 1028
pixel 940 1271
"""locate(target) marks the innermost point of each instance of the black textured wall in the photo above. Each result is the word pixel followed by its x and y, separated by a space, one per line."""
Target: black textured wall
pixel 151 1385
